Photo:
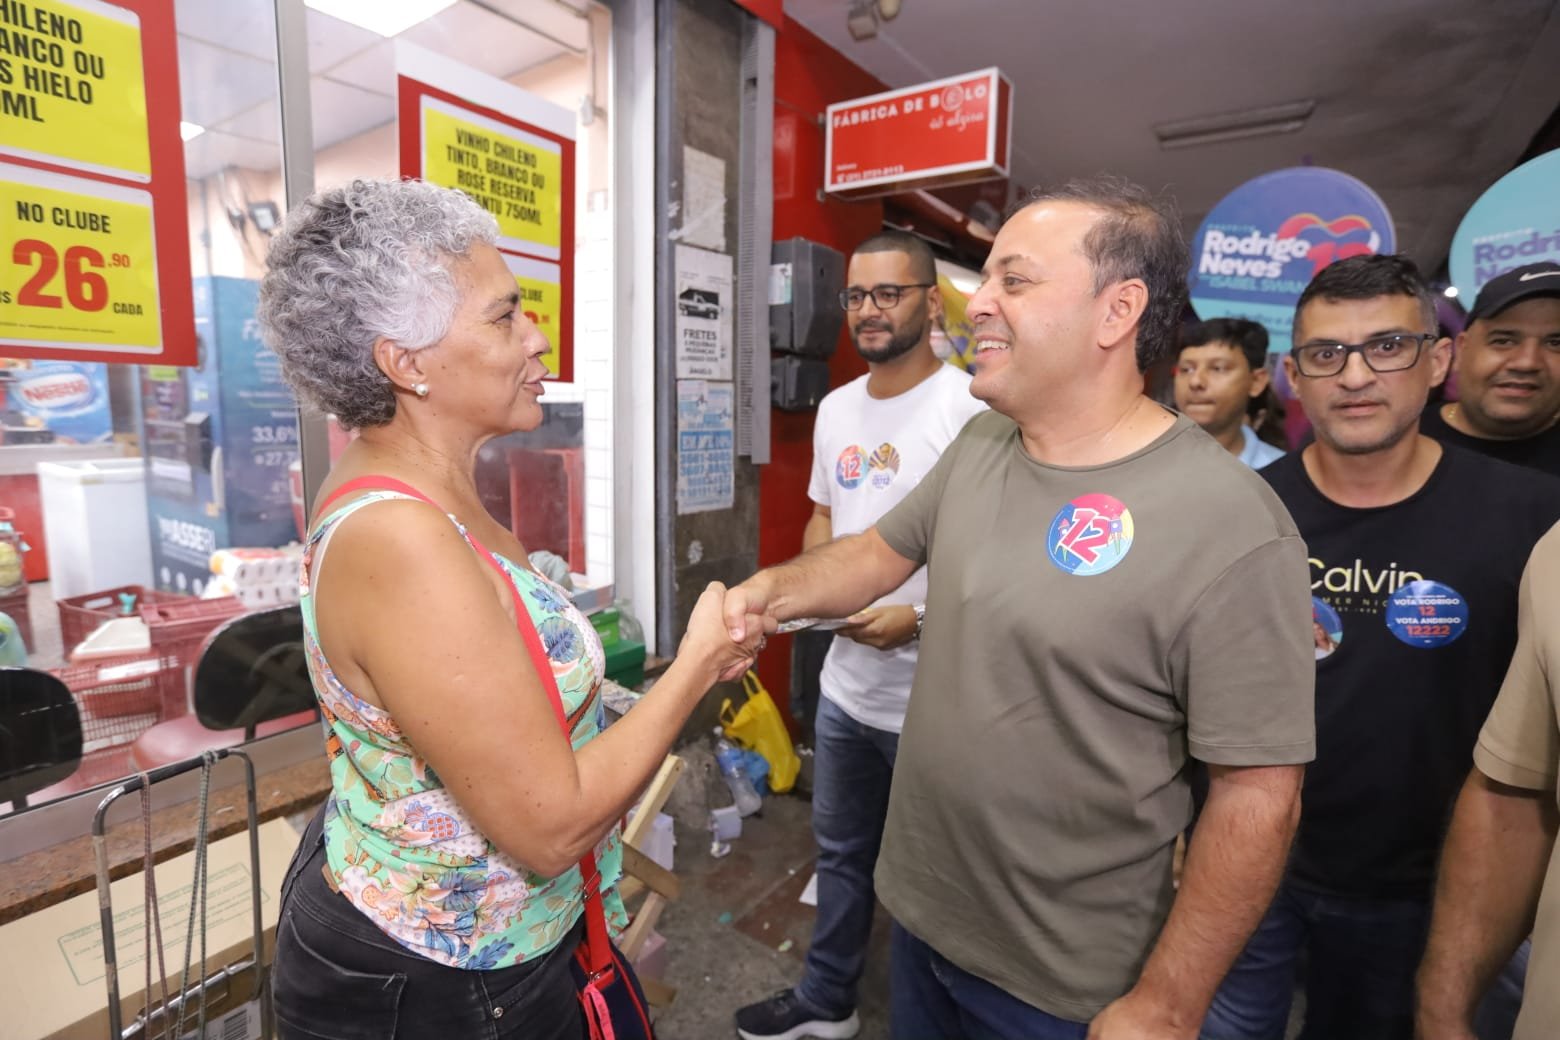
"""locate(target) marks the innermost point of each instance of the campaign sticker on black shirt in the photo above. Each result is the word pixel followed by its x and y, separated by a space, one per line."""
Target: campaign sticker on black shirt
pixel 1427 614
pixel 1326 628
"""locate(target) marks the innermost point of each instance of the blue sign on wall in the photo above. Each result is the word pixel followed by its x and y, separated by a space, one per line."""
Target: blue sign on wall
pixel 1261 245
pixel 1515 223
pixel 218 439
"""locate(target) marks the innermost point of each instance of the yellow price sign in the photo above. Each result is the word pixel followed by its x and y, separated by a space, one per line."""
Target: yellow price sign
pixel 542 302
pixel 78 268
pixel 515 176
pixel 72 87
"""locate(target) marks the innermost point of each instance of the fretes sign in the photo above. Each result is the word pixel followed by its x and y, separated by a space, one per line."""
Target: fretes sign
pixel 951 131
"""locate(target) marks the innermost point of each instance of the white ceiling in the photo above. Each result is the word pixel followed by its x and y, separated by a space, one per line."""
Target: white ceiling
pixel 228 81
pixel 1427 101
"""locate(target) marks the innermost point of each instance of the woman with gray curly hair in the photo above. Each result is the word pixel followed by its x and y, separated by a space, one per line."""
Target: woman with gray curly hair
pixel 437 891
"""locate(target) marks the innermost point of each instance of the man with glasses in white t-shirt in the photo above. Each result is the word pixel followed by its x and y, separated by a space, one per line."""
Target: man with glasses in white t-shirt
pixel 874 439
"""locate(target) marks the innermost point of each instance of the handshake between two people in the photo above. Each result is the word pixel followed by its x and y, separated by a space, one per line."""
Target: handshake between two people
pixel 725 631
pixel 729 626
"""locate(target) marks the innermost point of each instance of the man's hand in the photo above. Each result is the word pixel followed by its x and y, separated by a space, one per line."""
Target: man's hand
pixel 1135 1017
pixel 705 639
pixel 881 628
pixel 742 602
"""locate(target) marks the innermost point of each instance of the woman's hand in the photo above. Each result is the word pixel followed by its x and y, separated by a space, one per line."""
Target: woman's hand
pixel 708 642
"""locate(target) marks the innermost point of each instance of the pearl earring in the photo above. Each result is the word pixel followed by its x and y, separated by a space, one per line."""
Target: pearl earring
pixel 420 389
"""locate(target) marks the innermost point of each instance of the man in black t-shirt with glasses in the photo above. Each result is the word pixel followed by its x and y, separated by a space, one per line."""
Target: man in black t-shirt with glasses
pixel 1415 553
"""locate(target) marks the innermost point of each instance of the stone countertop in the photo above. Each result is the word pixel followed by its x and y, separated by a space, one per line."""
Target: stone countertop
pixel 53 875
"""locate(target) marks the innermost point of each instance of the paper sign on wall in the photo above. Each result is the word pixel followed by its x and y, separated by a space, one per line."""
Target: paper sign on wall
pixel 704 200
pixel 704 307
pixel 706 446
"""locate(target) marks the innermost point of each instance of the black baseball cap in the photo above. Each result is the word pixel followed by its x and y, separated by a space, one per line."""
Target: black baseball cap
pixel 1514 287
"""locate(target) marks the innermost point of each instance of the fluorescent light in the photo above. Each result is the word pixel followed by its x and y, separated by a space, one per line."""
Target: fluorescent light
pixel 189 131
pixel 1234 126
pixel 385 17
pixel 1450 292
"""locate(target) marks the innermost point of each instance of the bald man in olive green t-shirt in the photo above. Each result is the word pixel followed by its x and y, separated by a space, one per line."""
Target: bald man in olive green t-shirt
pixel 1111 594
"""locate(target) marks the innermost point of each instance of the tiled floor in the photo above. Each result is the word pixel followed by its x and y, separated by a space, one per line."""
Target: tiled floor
pixel 724 935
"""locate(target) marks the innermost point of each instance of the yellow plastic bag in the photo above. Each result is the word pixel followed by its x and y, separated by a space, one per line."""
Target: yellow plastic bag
pixel 758 725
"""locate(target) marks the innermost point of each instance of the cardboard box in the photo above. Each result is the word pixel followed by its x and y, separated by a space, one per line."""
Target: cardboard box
pixel 51 963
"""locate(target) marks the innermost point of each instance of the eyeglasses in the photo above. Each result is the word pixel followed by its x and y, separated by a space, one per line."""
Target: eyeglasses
pixel 1381 354
pixel 884 297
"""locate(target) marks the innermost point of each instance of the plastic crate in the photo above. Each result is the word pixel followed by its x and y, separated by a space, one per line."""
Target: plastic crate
pixel 81 615
pixel 626 662
pixel 182 623
pixel 178 626
pixel 122 697
pixel 119 699
pixel 605 622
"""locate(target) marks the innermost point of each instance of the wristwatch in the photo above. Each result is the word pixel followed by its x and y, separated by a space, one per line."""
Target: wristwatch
pixel 920 619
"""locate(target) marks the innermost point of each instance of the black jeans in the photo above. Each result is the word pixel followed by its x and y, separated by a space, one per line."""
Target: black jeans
pixel 338 977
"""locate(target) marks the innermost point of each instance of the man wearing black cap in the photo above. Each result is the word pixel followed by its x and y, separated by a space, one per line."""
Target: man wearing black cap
pixel 1507 365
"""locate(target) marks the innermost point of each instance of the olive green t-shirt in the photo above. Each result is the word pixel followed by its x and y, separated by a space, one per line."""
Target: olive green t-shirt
pixel 1520 746
pixel 1088 630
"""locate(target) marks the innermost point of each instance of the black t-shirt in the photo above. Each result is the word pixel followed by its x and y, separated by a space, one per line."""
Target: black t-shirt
pixel 1540 451
pixel 1415 617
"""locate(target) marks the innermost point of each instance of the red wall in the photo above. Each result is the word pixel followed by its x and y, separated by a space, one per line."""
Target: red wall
pixel 809 76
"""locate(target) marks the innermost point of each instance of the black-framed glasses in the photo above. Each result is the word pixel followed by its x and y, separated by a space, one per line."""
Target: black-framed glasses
pixel 884 297
pixel 1391 353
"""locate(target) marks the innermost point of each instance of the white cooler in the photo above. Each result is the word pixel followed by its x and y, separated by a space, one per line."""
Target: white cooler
pixel 94 518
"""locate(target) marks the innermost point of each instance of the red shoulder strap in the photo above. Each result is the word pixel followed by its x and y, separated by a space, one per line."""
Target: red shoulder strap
pixel 598 950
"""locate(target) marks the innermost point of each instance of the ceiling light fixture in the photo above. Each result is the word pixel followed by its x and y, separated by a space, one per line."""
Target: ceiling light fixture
pixel 1235 126
pixel 189 131
pixel 380 16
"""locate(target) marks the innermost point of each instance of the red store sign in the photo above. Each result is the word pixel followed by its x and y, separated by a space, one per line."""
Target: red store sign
pixel 951 131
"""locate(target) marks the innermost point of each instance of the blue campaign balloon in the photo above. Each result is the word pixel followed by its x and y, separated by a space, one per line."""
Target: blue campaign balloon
pixel 1261 245
pixel 1515 223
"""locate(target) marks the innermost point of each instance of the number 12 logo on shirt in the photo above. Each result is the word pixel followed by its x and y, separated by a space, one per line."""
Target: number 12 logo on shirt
pixel 1090 535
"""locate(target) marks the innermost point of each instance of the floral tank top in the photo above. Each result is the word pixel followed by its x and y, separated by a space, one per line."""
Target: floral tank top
pixel 397 844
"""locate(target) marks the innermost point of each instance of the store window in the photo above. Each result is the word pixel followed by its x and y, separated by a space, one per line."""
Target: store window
pixel 552 486
pixel 143 505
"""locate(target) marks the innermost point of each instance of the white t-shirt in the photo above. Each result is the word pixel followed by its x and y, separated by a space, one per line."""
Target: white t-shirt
pixel 867 455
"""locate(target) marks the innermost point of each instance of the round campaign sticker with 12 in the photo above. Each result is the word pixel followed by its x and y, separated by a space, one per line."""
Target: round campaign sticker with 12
pixel 1426 614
